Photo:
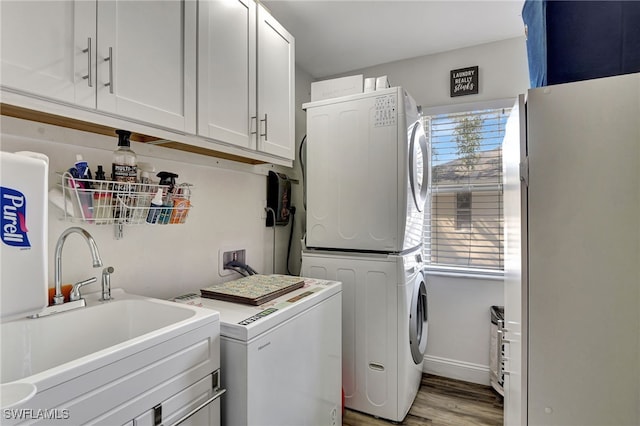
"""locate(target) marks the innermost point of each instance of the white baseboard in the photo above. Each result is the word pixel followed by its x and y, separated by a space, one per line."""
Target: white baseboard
pixel 454 369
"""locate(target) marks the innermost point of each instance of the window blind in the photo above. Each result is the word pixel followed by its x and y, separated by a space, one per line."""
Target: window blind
pixel 464 224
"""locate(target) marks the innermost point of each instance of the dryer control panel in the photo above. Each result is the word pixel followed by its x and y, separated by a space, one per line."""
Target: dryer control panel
pixel 386 111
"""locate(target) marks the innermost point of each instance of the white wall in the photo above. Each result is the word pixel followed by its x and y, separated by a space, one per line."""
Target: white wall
pixel 459 326
pixel 303 95
pixel 503 73
pixel 459 319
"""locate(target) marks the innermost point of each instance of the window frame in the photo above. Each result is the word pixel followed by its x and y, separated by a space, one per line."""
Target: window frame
pixel 458 271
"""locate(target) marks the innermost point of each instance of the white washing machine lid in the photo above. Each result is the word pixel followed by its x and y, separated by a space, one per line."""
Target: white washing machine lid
pixel 245 322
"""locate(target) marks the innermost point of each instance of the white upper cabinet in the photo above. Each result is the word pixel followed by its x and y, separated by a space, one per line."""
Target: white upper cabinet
pixel 143 66
pixel 146 61
pixel 276 96
pixel 227 71
pixel 48 49
pixel 212 75
pixel 245 77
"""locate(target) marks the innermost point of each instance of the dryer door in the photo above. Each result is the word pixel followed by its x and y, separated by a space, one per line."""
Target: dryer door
pixel 418 165
pixel 418 319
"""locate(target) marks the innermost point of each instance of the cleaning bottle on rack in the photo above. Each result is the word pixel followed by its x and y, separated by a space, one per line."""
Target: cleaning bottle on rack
pixel 155 208
pixel 124 169
pixel 181 204
pixel 102 208
pixel 125 161
pixel 144 193
pixel 81 183
pixel 167 179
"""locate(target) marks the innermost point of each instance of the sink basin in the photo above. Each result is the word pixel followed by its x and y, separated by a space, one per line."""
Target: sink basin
pixel 44 343
pixel 49 350
pixel 16 393
pixel 107 362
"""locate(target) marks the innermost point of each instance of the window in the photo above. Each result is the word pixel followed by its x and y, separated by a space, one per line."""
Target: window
pixel 463 211
pixel 463 226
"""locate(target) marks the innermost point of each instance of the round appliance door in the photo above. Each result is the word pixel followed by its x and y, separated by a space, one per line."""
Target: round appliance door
pixel 419 165
pixel 418 319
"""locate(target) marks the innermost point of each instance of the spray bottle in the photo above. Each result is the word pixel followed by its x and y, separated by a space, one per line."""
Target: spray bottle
pixel 125 166
pixel 167 179
pixel 102 208
pixel 155 208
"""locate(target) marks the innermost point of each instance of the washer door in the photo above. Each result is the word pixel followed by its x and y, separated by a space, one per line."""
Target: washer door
pixel 418 165
pixel 418 319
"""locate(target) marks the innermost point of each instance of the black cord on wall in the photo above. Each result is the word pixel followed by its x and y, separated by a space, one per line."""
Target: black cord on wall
pixel 292 211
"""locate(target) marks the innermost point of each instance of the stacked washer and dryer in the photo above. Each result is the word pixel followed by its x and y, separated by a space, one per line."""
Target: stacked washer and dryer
pixel 367 181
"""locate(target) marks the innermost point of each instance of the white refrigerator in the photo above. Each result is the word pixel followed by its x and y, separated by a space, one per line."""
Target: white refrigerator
pixel 572 274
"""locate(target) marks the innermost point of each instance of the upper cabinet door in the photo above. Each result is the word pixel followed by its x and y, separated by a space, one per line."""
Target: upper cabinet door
pixel 226 71
pixel 276 75
pixel 48 48
pixel 146 61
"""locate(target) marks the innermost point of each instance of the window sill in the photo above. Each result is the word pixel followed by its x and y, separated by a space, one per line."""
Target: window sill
pixel 464 273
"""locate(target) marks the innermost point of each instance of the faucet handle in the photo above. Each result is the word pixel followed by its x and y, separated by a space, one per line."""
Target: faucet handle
pixel 75 290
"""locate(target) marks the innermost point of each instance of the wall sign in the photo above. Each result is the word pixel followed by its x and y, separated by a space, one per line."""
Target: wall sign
pixel 464 81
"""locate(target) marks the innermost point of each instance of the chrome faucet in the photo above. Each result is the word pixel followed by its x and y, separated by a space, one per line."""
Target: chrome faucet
pixel 58 298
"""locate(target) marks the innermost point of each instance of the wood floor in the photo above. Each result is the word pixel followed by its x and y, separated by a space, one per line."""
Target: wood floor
pixel 443 402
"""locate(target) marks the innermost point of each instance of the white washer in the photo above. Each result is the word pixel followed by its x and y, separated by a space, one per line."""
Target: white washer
pixel 281 361
pixel 384 326
pixel 367 172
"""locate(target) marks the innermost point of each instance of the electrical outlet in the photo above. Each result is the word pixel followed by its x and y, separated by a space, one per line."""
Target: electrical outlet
pixel 334 416
pixel 226 256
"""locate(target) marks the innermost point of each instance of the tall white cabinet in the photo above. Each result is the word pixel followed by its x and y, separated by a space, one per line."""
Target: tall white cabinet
pixel 246 60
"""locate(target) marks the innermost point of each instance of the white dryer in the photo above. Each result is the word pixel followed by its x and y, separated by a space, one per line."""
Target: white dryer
pixel 367 172
pixel 384 326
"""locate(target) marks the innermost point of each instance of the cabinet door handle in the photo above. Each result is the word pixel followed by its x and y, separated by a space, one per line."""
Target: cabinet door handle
pixel 110 59
pixel 88 77
pixel 215 396
pixel 265 127
pixel 251 126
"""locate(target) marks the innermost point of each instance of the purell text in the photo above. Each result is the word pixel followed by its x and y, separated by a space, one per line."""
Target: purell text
pixel 14 222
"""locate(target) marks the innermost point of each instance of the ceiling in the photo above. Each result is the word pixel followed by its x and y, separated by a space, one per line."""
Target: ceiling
pixel 335 36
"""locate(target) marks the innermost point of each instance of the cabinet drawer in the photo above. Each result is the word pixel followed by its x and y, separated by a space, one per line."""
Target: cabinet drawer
pixel 182 403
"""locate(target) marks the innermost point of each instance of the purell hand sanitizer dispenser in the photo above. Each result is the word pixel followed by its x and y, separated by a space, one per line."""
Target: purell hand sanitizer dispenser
pixel 23 233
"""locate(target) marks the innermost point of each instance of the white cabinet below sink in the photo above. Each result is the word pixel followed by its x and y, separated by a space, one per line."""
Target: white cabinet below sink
pixel 195 403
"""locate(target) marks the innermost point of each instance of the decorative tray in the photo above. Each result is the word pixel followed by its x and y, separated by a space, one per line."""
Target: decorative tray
pixel 254 289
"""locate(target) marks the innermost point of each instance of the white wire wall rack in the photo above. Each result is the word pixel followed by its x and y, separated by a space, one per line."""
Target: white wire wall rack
pixel 106 202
